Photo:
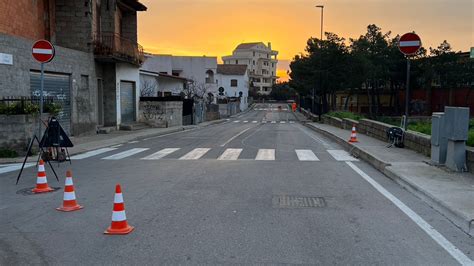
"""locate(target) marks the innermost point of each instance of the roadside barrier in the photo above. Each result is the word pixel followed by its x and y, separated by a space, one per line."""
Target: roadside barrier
pixel 41 180
pixel 119 225
pixel 69 198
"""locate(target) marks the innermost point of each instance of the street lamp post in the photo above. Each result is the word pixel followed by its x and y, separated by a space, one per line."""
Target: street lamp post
pixel 320 66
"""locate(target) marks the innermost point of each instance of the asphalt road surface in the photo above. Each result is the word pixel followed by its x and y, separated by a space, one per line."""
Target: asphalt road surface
pixel 259 188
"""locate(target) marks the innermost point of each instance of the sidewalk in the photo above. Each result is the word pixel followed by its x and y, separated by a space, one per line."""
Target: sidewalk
pixel 452 194
pixel 91 142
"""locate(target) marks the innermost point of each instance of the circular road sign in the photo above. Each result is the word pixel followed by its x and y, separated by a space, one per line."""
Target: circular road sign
pixel 43 51
pixel 409 43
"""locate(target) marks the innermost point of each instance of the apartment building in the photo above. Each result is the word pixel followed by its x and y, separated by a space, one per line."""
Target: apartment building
pixel 95 73
pixel 261 63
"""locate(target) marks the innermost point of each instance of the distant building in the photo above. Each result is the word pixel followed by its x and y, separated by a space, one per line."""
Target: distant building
pixel 173 70
pixel 233 81
pixel 262 64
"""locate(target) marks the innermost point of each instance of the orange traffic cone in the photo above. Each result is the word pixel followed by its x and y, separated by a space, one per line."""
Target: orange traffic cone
pixel 41 181
pixel 353 134
pixel 69 199
pixel 119 224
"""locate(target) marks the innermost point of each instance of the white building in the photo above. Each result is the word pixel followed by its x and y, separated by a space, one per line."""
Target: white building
pixel 197 69
pixel 233 81
pixel 262 64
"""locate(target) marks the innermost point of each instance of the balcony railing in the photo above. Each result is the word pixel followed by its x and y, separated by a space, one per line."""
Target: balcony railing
pixel 110 46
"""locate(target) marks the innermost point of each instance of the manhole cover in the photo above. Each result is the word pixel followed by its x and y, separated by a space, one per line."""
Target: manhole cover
pixel 285 201
pixel 27 191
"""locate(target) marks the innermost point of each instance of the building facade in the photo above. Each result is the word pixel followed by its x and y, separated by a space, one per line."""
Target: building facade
pixel 95 73
pixel 198 71
pixel 261 63
pixel 233 82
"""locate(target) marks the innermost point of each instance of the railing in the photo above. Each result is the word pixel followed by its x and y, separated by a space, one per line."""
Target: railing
pixel 112 45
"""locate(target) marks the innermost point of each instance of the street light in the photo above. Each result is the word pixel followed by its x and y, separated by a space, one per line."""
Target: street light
pixel 320 65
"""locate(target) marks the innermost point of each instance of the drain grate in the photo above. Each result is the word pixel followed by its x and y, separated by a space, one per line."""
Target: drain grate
pixel 27 191
pixel 285 201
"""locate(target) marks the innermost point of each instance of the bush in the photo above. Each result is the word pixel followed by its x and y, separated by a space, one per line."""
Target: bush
pixel 52 108
pixel 6 153
pixel 422 127
pixel 470 138
pixel 342 114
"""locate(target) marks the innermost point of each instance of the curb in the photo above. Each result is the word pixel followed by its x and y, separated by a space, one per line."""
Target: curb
pixel 458 219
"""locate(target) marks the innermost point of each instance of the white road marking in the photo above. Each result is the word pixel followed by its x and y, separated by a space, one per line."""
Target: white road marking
pixel 125 154
pixel 195 154
pixel 14 167
pixel 234 137
pixel 230 154
pixel 324 143
pixel 265 155
pixel 273 122
pixel 246 121
pixel 134 141
pixel 435 235
pixel 160 154
pixel 306 155
pixel 282 122
pixel 91 153
pixel 264 122
pixel 341 155
pixel 236 121
pixel 254 121
pixel 292 122
pixel 116 146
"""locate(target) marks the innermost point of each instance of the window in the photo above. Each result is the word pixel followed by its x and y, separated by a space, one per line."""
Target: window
pixel 209 76
pixel 273 64
pixel 253 62
pixel 236 62
pixel 253 53
pixel 233 83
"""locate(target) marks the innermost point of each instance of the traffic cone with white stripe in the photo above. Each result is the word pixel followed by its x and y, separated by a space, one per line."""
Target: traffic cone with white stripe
pixel 353 134
pixel 69 199
pixel 41 181
pixel 119 224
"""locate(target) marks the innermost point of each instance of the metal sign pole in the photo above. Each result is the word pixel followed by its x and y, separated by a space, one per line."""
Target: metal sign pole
pixel 407 95
pixel 41 100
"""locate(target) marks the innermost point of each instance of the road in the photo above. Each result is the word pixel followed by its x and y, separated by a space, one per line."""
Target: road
pixel 259 188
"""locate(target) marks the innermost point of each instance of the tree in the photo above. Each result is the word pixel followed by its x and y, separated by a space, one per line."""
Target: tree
pixel 149 88
pixel 195 90
pixel 282 92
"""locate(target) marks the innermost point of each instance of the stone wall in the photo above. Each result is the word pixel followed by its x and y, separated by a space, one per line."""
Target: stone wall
pixel 161 113
pixel 17 130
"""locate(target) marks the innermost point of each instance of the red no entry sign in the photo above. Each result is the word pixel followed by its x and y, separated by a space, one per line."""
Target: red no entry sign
pixel 43 51
pixel 409 43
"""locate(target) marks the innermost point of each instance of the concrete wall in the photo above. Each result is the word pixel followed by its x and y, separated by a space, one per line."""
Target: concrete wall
pixel 17 130
pixel 15 78
pixel 161 114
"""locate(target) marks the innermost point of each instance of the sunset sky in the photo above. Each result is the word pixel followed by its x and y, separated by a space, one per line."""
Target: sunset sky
pixel 216 27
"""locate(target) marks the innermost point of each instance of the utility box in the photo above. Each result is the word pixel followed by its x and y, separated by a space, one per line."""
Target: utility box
pixel 456 123
pixel 439 142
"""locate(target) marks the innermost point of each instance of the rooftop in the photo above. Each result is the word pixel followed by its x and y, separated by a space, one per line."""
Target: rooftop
pixel 228 69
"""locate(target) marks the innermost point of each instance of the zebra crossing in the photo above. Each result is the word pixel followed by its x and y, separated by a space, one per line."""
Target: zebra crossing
pixel 229 154
pixel 271 109
pixel 263 122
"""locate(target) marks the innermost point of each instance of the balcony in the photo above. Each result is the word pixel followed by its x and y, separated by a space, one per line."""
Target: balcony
pixel 111 47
